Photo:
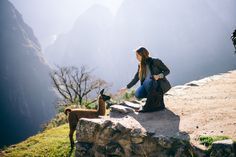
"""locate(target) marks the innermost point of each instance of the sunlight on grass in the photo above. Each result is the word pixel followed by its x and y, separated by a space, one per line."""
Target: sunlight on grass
pixel 53 143
pixel 208 140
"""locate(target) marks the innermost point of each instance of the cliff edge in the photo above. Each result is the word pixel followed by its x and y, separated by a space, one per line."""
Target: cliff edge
pixel 202 107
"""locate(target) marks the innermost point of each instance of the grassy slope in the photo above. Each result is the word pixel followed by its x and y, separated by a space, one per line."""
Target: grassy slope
pixel 50 143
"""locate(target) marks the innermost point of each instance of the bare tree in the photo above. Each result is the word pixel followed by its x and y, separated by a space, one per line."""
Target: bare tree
pixel 76 84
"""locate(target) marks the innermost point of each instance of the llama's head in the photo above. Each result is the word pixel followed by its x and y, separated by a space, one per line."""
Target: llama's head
pixel 104 98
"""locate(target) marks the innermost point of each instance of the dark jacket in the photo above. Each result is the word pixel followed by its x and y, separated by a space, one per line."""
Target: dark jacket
pixel 156 67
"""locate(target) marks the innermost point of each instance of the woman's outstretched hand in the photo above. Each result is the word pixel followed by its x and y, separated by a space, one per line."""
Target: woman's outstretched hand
pixel 123 90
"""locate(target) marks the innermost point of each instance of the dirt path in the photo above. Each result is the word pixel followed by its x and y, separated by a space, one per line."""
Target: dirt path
pixel 206 106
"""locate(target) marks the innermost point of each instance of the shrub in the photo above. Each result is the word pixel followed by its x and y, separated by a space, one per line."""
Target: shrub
pixel 129 95
pixel 208 140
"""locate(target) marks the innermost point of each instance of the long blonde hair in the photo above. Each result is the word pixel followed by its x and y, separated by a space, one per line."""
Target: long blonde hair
pixel 143 52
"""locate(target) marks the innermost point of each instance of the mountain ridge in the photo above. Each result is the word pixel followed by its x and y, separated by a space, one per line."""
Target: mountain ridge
pixel 26 96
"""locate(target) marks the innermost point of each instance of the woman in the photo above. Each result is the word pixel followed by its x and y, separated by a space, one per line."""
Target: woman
pixel 149 70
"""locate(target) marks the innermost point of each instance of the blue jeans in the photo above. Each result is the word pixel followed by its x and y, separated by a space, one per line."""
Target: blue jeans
pixel 144 89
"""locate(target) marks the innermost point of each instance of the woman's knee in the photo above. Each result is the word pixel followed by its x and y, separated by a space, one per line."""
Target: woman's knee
pixel 139 94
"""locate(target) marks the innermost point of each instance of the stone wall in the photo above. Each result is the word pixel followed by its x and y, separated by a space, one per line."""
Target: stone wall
pixel 126 137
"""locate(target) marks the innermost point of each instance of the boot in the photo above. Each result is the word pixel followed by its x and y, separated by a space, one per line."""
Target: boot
pixel 162 106
pixel 153 108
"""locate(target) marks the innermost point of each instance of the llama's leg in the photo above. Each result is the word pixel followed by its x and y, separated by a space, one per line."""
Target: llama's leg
pixel 72 130
pixel 72 143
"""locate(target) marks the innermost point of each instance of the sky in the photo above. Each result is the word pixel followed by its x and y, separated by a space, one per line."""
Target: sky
pixel 165 27
pixel 49 18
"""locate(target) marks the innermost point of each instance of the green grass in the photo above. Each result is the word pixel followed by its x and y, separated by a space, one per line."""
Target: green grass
pixel 58 120
pixel 208 140
pixel 129 95
pixel 50 143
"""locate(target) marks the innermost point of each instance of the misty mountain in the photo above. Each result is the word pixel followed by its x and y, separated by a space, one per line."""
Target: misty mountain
pixel 26 99
pixel 86 43
pixel 192 37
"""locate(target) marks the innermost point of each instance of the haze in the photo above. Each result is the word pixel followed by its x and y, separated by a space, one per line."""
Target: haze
pixel 49 18
pixel 192 37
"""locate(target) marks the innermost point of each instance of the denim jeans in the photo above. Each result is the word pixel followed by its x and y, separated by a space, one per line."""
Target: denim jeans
pixel 144 89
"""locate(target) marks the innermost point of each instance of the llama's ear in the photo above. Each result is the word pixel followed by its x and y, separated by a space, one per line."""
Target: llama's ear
pixel 101 92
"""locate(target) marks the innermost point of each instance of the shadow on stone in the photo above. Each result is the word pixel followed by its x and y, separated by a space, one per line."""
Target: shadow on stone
pixel 159 123
pixel 162 123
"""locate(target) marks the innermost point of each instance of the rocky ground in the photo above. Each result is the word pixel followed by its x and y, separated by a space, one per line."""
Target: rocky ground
pixel 202 107
pixel 206 106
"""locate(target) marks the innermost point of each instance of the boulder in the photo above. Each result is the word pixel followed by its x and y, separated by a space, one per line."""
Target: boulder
pixel 127 136
pixel 119 111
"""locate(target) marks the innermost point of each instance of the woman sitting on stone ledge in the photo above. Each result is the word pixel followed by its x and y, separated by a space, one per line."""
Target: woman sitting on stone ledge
pixel 152 74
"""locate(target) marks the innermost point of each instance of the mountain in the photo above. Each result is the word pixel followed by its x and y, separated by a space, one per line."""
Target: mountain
pixel 191 37
pixel 86 42
pixel 26 99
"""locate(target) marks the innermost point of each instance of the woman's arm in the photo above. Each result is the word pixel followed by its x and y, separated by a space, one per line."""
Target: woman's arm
pixel 134 80
pixel 163 68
